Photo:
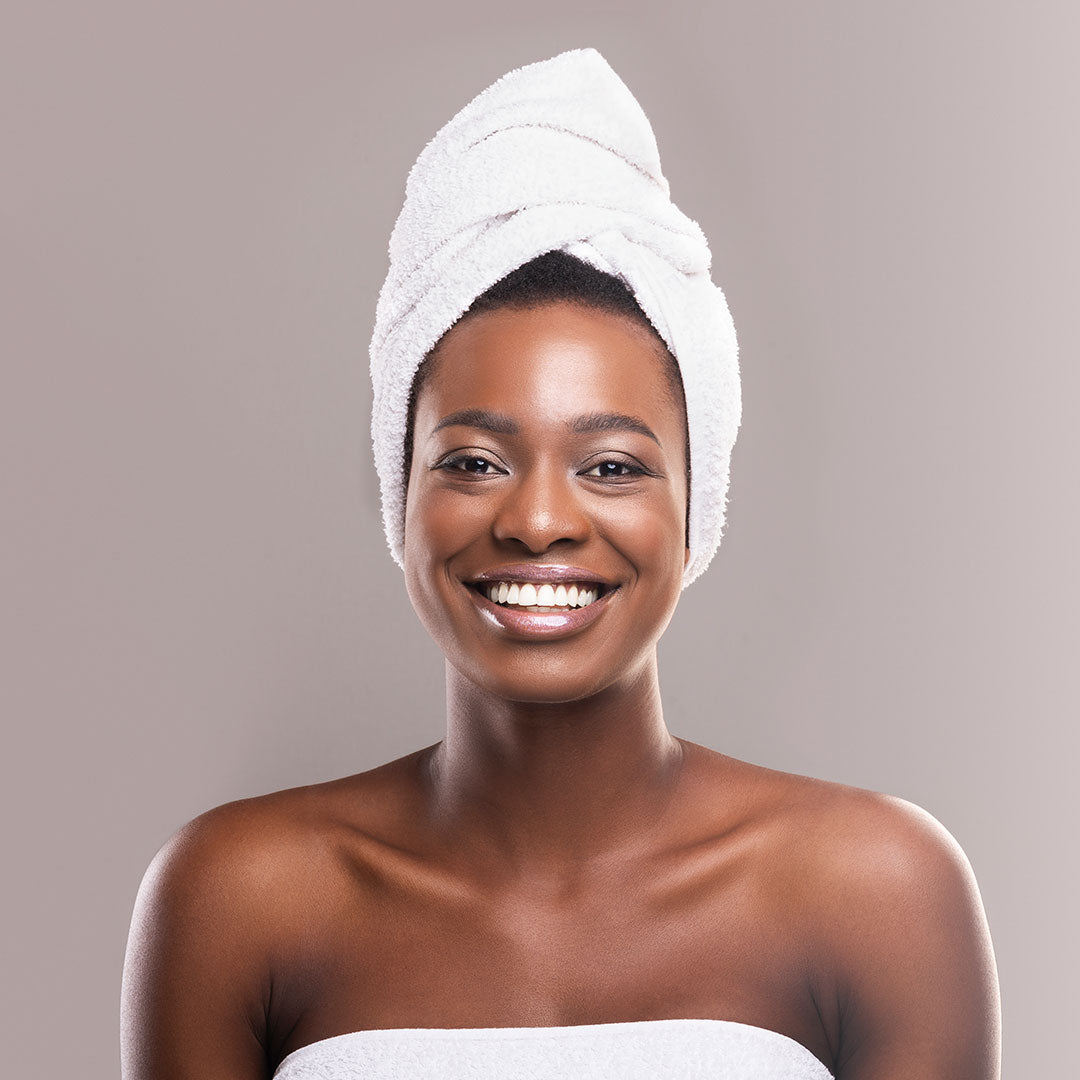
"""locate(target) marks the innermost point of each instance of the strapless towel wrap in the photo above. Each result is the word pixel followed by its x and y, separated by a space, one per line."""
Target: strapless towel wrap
pixel 635 1050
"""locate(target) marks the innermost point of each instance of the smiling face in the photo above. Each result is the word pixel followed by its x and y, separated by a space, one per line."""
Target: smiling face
pixel 548 454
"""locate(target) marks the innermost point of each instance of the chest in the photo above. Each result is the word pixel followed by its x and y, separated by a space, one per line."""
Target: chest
pixel 691 940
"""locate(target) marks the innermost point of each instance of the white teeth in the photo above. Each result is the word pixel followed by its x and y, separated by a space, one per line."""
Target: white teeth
pixel 543 597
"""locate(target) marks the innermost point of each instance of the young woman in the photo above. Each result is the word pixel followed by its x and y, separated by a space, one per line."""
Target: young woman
pixel 559 887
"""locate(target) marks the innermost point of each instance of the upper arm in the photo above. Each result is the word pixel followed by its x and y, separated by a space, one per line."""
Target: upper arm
pixel 194 985
pixel 920 985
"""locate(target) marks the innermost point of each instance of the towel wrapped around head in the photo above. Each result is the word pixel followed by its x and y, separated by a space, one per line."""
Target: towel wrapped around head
pixel 556 155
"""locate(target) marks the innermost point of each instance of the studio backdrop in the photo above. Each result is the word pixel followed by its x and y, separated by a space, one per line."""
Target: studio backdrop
pixel 198 604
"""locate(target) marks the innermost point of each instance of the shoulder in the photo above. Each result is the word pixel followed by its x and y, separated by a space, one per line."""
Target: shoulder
pixel 225 848
pixel 874 841
pixel 860 853
pixel 879 853
pixel 257 864
pixel 226 932
pixel 196 978
pixel 832 829
pixel 901 934
pixel 841 836
pixel 835 856
pixel 218 877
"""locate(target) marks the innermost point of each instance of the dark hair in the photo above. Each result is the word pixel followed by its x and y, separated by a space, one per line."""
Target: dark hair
pixel 549 278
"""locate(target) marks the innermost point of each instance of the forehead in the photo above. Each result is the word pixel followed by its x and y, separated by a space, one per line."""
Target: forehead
pixel 554 360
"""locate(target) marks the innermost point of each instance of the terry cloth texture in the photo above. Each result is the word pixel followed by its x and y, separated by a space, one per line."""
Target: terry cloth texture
pixel 636 1050
pixel 556 155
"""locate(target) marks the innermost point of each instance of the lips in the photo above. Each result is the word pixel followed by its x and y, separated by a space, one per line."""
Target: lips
pixel 536 601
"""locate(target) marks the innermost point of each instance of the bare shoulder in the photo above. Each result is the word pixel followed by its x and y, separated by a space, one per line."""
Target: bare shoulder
pixel 230 900
pixel 256 857
pixel 880 899
pixel 216 892
pixel 903 938
pixel 196 979
pixel 884 866
pixel 861 854
pixel 840 836
pixel 228 859
pixel 880 845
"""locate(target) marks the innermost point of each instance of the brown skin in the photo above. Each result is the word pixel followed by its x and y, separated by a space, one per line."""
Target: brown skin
pixel 559 858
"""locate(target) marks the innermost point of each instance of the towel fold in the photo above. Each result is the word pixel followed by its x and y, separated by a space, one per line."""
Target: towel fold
pixel 556 155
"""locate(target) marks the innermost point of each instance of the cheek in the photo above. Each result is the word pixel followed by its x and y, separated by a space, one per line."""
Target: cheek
pixel 650 534
pixel 439 524
pixel 439 521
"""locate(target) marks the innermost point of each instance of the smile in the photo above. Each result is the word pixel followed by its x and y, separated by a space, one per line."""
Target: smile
pixel 540 601
pixel 544 597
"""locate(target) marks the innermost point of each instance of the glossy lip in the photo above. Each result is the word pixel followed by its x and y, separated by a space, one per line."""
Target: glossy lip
pixel 539 574
pixel 535 626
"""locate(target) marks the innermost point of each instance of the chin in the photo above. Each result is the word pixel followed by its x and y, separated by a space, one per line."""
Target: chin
pixel 537 682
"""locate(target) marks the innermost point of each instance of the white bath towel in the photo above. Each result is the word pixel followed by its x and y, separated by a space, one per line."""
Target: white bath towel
pixel 554 155
pixel 633 1050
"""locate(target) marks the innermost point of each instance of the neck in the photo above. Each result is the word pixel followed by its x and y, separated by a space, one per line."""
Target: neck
pixel 546 787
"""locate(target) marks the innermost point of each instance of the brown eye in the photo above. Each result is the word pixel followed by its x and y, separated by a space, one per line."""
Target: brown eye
pixel 614 470
pixel 469 463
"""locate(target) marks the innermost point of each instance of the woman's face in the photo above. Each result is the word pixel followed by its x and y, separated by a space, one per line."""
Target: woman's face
pixel 548 463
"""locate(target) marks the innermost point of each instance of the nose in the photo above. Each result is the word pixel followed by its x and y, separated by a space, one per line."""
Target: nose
pixel 540 510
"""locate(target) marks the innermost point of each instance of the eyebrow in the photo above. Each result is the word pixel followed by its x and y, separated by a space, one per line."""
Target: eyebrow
pixel 478 418
pixel 589 424
pixel 596 422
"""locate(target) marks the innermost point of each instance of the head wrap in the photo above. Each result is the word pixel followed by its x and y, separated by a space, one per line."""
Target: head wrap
pixel 554 155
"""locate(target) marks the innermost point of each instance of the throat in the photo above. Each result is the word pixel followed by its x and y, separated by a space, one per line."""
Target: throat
pixel 547 784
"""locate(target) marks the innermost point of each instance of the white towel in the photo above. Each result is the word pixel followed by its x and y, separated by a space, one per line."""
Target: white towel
pixel 554 155
pixel 633 1050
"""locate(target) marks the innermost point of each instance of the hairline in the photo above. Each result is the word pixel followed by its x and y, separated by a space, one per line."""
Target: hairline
pixel 426 368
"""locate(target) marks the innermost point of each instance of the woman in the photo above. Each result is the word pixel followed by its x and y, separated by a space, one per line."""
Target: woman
pixel 559 887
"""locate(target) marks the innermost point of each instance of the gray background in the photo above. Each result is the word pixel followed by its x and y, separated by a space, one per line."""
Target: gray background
pixel 197 604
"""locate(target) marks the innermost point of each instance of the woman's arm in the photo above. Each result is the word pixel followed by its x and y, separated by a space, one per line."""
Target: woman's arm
pixel 195 984
pixel 919 988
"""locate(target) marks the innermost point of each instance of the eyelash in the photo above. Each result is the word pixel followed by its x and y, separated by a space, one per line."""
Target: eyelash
pixel 453 463
pixel 450 464
pixel 632 470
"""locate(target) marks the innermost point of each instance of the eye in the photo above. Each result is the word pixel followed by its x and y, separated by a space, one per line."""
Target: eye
pixel 468 463
pixel 614 470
